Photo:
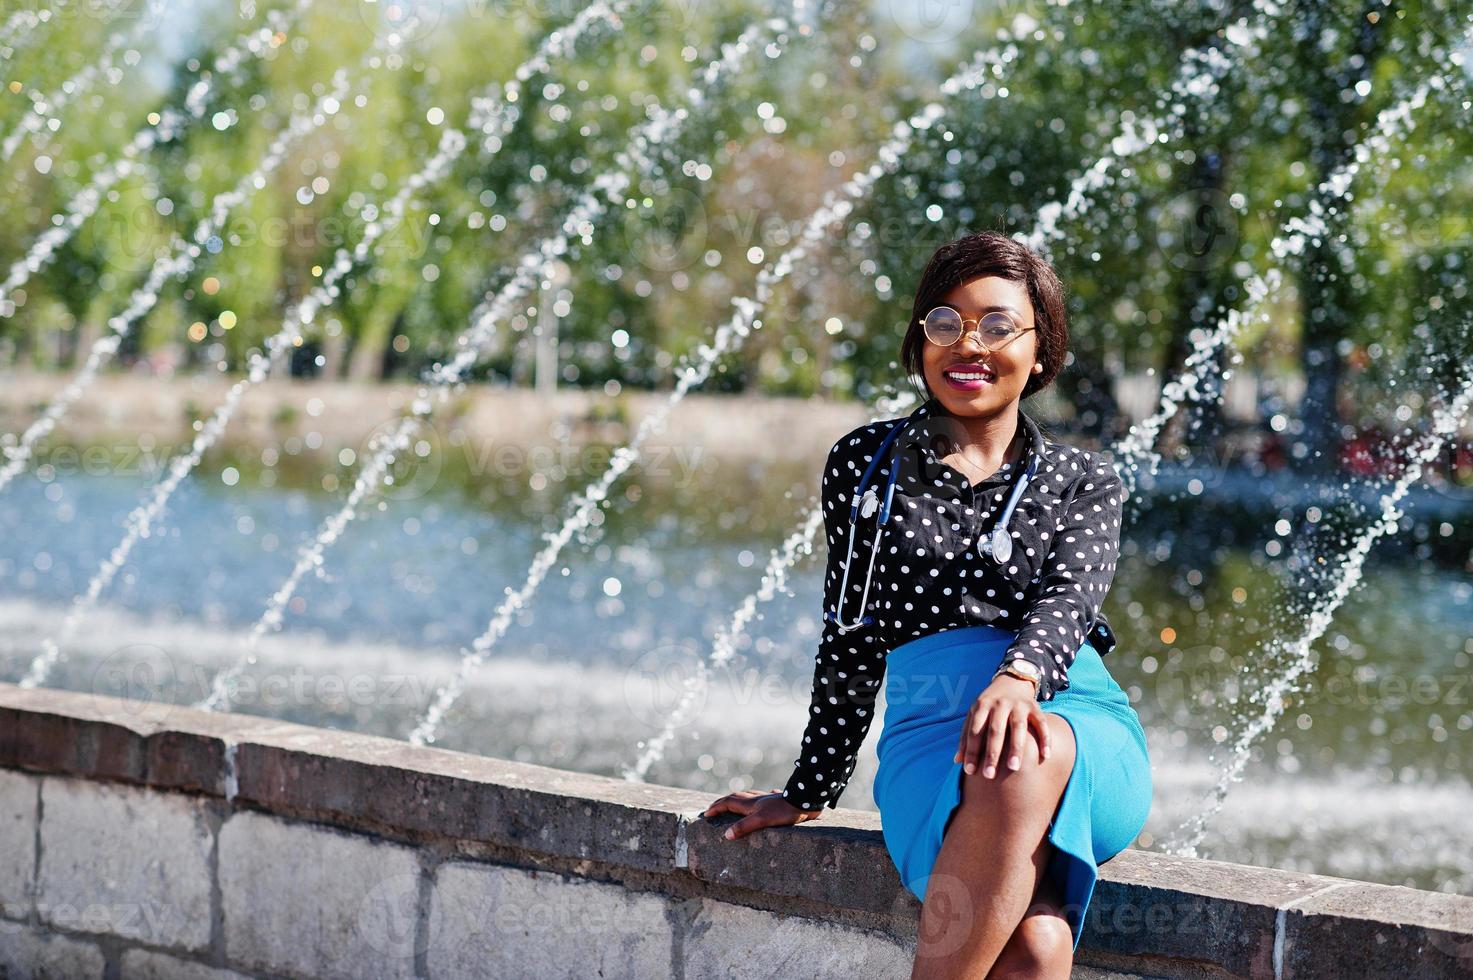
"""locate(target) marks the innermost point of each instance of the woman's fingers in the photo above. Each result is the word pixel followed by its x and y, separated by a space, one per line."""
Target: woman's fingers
pixel 997 730
pixel 745 826
pixel 961 742
pixel 1039 721
pixel 972 736
pixel 993 726
pixel 731 803
pixel 983 737
pixel 760 810
pixel 1017 738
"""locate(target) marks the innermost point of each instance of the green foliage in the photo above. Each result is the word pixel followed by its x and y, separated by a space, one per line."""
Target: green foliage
pixel 657 280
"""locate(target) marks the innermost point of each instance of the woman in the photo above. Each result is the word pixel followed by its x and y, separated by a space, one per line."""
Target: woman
pixel 1011 764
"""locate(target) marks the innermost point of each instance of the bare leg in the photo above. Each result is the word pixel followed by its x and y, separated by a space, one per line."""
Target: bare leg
pixel 1042 947
pixel 992 861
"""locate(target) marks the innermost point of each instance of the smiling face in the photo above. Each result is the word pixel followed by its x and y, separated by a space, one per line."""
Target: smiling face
pixel 1005 373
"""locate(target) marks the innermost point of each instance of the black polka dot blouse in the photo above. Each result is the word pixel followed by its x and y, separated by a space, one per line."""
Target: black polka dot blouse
pixel 929 575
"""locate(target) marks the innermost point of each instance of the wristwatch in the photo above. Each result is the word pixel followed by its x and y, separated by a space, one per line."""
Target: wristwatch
pixel 1026 669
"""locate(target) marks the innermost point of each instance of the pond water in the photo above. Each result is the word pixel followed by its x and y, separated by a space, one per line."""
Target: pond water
pixel 1366 775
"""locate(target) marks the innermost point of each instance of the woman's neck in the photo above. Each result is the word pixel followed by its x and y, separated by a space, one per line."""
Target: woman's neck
pixel 990 440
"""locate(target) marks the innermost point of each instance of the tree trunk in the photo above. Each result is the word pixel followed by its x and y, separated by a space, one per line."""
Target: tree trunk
pixel 367 360
pixel 85 333
pixel 1207 251
pixel 333 348
pixel 1323 287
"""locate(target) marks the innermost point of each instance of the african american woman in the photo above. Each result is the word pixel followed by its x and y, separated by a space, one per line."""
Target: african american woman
pixel 968 556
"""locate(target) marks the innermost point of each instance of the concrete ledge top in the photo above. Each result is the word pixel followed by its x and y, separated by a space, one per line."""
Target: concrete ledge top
pixel 1244 920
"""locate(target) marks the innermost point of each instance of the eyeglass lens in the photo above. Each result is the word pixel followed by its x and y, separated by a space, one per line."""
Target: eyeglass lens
pixel 944 325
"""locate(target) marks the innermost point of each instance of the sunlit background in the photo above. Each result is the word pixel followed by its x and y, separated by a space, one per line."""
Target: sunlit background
pixel 461 371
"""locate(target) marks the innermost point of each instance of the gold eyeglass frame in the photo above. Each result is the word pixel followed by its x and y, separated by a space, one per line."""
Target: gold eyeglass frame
pixel 975 328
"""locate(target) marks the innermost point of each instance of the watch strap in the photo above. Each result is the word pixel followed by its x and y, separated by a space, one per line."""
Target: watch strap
pixel 1007 667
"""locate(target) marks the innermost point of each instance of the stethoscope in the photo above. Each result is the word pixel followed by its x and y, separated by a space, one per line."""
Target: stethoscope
pixel 998 545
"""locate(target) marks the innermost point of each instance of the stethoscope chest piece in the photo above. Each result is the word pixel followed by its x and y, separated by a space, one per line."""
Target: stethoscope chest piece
pixel 999 545
pixel 869 503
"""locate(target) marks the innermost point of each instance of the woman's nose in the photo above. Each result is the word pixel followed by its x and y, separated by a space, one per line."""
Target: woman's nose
pixel 969 337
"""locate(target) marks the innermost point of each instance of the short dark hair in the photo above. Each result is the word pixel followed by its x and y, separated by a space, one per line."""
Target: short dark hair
pixel 991 253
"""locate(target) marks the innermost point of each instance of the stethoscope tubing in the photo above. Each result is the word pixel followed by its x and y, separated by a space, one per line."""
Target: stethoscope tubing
pixel 885 452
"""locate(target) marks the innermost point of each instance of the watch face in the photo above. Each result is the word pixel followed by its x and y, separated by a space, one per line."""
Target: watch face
pixel 1025 667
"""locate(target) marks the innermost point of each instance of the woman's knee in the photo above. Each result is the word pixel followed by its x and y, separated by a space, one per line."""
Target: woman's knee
pixel 1041 946
pixel 1035 775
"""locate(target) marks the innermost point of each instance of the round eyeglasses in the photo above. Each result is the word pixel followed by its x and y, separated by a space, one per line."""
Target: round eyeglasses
pixel 944 326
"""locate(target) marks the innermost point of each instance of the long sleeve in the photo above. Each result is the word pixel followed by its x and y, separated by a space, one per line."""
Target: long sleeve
pixel 1075 576
pixel 849 667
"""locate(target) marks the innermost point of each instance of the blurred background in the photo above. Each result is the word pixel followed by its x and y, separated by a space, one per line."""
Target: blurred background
pixel 326 329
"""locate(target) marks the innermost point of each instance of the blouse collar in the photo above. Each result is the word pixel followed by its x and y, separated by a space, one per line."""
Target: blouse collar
pixel 928 438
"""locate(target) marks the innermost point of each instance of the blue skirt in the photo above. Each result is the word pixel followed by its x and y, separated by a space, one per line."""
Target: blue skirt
pixel 930 684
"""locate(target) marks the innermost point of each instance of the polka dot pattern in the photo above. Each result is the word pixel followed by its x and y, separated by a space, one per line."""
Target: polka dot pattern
pixel 929 575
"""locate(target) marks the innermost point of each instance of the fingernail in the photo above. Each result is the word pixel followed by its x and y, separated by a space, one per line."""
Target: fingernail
pixel 971 768
pixel 728 835
pixel 990 771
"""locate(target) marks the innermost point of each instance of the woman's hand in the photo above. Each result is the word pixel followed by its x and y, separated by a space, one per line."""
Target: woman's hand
pixel 759 810
pixel 1004 712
